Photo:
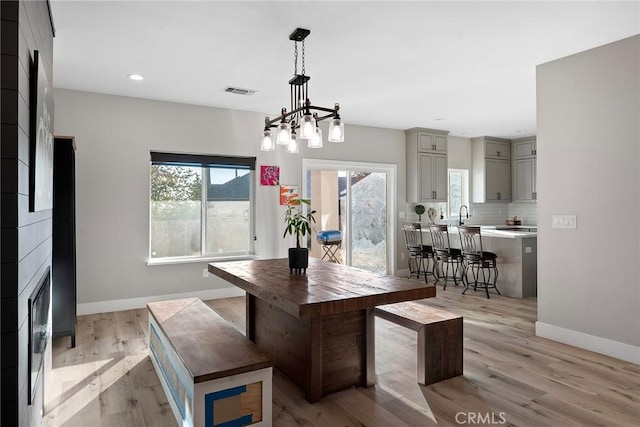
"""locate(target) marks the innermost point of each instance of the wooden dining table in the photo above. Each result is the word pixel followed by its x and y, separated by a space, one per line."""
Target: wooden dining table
pixel 318 327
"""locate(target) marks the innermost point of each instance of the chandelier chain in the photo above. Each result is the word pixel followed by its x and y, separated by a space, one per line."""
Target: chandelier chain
pixel 295 59
pixel 303 58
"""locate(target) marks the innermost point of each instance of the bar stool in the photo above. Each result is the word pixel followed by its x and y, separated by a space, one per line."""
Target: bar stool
pixel 418 252
pixel 444 254
pixel 476 259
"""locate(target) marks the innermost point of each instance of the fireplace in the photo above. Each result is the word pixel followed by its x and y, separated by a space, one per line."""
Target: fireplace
pixel 39 329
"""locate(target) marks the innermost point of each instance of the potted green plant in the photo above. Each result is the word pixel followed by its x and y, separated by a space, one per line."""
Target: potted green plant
pixel 298 224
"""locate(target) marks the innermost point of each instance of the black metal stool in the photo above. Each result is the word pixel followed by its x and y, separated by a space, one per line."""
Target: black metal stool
pixel 474 258
pixel 444 254
pixel 418 252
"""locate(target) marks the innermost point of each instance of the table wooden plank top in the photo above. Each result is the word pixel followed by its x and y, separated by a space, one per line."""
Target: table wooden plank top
pixel 327 288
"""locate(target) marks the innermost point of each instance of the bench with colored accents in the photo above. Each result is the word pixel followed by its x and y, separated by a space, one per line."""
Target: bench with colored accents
pixel 211 373
pixel 439 338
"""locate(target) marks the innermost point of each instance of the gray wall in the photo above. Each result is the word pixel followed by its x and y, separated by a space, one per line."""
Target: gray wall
pixel 589 165
pixel 114 135
pixel 25 236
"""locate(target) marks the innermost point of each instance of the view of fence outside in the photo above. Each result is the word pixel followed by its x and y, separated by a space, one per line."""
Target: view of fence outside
pixel 180 235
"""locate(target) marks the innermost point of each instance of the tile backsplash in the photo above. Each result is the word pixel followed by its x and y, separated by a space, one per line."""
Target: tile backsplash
pixel 527 212
pixel 484 213
pixel 497 213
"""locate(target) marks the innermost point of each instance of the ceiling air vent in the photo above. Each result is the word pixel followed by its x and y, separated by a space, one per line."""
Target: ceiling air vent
pixel 239 90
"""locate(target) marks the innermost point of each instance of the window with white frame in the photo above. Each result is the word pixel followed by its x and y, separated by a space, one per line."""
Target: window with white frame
pixel 201 206
pixel 458 191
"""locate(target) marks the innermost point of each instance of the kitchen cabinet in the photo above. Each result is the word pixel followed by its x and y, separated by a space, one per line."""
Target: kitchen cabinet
pixel 498 180
pixel 431 142
pixel 432 177
pixel 426 165
pixel 426 140
pixel 524 148
pixel 491 169
pixel 497 149
pixel 524 170
pixel 524 180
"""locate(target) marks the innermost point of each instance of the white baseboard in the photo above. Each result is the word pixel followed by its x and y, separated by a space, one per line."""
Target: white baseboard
pixel 600 345
pixel 133 303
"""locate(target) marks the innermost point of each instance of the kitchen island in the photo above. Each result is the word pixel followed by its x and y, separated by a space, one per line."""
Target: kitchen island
pixel 517 250
pixel 318 327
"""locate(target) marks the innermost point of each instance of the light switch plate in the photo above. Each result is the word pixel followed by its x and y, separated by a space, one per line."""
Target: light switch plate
pixel 564 221
pixel 401 214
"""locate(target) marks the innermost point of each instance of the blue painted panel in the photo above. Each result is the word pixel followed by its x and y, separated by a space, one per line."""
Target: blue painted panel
pixel 185 388
pixel 219 395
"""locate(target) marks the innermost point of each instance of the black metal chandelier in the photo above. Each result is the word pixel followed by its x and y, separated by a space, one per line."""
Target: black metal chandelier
pixel 301 121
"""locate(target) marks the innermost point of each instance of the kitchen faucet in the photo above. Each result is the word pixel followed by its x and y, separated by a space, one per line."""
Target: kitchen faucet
pixel 461 222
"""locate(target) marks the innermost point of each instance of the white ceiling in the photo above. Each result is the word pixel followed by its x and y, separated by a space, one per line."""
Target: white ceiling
pixel 389 64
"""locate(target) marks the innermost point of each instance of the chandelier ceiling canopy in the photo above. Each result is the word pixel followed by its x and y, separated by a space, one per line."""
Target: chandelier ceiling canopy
pixel 300 123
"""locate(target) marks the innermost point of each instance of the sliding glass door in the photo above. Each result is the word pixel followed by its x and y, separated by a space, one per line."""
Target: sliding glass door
pixel 367 221
pixel 354 198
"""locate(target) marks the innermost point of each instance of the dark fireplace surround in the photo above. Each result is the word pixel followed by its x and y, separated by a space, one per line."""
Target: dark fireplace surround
pixel 39 330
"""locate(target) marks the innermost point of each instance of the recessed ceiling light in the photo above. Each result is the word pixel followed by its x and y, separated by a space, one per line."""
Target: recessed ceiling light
pixel 135 77
pixel 439 119
pixel 522 131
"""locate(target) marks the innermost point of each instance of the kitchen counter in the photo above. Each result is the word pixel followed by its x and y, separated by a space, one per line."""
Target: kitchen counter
pixel 508 231
pixel 517 256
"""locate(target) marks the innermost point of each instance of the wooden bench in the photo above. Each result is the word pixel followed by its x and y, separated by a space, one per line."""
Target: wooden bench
pixel 211 373
pixel 439 338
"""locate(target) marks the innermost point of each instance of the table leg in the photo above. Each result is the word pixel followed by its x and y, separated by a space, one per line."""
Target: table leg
pixel 370 348
pixel 249 316
pixel 323 354
pixel 314 391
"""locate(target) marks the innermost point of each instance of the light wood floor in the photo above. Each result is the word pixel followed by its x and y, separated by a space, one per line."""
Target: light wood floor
pixel 509 374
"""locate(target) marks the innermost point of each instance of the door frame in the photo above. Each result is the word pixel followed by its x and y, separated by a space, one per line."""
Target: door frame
pixel 389 169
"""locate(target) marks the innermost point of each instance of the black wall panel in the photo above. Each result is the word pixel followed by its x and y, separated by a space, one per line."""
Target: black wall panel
pixel 25 237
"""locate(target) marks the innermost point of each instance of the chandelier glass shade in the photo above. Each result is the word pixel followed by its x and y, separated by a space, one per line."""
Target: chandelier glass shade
pixel 283 136
pixel 300 123
pixel 316 139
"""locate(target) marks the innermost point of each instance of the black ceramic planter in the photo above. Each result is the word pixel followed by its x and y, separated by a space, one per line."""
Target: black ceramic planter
pixel 298 260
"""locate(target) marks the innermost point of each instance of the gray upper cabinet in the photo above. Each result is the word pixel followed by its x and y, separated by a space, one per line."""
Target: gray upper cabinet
pixel 524 170
pixel 491 169
pixel 426 165
pixel 524 180
pixel 497 149
pixel 432 177
pixel 432 142
pixel 498 180
pixel 524 148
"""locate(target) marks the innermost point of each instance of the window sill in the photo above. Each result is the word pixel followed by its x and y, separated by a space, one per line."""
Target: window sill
pixel 170 261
